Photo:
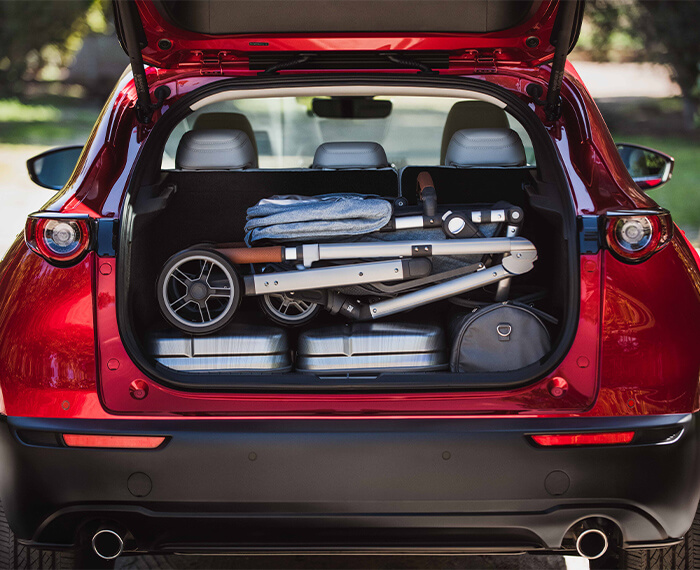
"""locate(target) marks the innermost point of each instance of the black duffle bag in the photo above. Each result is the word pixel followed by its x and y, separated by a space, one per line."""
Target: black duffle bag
pixel 498 338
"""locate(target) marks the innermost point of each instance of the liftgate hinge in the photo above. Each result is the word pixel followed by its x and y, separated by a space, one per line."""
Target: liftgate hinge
pixel 485 63
pixel 212 63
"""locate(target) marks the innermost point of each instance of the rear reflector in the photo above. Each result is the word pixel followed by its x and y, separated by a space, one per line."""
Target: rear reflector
pixel 584 438
pixel 112 441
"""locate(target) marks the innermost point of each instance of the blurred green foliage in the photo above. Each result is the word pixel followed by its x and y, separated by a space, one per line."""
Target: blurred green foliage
pixel 37 37
pixel 663 31
pixel 34 33
pixel 46 121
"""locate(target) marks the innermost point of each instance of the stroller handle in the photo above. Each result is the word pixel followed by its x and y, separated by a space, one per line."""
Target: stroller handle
pixel 243 255
pixel 426 193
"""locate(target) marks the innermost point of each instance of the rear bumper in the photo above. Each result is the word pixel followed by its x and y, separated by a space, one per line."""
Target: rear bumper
pixel 432 485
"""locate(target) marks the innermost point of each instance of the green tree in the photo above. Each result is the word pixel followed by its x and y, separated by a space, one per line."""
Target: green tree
pixel 669 33
pixel 26 27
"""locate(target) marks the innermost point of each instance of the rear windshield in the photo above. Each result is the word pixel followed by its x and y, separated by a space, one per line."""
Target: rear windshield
pixel 288 130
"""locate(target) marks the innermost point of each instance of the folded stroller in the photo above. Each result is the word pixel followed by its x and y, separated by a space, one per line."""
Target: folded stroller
pixel 362 257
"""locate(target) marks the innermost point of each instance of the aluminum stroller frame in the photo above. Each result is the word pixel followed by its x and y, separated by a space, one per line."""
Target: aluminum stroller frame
pixel 200 289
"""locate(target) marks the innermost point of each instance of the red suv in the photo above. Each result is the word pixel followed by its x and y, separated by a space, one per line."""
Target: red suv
pixel 353 277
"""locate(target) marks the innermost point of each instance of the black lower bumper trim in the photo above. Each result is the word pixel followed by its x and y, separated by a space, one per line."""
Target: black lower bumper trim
pixel 476 485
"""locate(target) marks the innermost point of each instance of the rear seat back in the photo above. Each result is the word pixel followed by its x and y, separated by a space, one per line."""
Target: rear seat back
pixel 216 182
pixel 219 199
pixel 480 164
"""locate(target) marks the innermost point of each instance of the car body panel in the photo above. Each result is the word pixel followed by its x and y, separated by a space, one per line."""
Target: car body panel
pixel 642 368
pixel 48 367
pixel 533 399
pixel 422 485
pixel 598 181
pixel 527 43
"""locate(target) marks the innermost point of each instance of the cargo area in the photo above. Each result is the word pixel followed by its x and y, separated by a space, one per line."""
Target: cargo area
pixel 315 336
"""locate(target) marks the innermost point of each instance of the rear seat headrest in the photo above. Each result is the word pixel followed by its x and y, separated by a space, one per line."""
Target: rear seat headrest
pixel 221 121
pixel 471 115
pixel 215 149
pixel 350 155
pixel 485 147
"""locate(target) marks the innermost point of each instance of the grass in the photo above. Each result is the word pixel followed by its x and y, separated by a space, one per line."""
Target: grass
pixel 51 121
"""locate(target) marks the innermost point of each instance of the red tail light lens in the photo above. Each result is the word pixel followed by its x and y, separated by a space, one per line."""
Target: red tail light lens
pixel 634 235
pixel 113 441
pixel 612 438
pixel 59 240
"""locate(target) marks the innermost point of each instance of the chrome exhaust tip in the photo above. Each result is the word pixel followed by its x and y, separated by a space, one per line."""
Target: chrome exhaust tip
pixel 592 543
pixel 107 544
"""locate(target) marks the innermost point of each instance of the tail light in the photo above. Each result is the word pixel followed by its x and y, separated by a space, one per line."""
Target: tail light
pixel 61 240
pixel 635 235
pixel 569 439
pixel 3 411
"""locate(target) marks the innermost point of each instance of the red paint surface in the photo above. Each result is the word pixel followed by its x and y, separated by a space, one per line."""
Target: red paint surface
pixel 189 48
pixel 634 351
pixel 650 362
pixel 47 347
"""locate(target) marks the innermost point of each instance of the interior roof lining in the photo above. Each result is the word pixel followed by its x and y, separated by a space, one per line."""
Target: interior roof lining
pixel 345 90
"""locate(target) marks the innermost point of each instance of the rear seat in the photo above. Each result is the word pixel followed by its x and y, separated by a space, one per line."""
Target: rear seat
pixel 215 166
pixel 476 162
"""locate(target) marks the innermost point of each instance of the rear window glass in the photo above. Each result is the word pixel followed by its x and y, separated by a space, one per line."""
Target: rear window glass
pixel 288 131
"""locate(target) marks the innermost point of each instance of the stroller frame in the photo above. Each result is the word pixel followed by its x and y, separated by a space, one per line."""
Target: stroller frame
pixel 217 280
pixel 399 261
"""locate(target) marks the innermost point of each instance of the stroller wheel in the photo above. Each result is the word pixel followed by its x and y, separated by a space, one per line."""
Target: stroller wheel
pixel 285 309
pixel 198 291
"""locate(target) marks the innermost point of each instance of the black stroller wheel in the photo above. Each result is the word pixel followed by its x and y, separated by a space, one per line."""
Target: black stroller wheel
pixel 285 309
pixel 198 291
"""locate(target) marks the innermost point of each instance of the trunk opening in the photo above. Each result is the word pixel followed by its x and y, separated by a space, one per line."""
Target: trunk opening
pixel 174 210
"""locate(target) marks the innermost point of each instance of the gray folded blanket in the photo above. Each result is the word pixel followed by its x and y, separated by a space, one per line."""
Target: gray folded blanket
pixel 314 218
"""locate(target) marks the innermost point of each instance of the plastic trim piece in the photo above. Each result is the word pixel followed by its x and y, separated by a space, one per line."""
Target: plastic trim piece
pixel 589 234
